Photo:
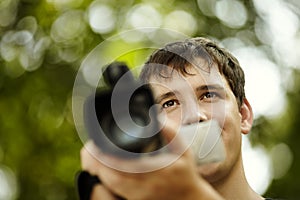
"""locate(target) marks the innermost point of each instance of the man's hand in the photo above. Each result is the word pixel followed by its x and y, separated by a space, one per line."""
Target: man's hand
pixel 179 180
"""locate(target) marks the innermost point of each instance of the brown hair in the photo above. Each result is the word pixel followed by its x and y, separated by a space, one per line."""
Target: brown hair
pixel 180 55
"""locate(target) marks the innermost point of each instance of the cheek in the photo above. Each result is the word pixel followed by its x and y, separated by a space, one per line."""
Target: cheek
pixel 175 117
pixel 231 132
pixel 218 112
pixel 227 115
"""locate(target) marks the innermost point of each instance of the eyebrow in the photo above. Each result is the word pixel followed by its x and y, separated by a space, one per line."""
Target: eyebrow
pixel 164 96
pixel 210 87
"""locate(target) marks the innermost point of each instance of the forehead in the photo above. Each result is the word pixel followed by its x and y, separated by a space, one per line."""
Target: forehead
pixel 195 77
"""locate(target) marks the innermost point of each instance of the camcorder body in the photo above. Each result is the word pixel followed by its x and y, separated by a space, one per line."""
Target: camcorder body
pixel 121 118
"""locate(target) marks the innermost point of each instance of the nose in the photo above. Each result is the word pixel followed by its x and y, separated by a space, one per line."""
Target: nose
pixel 192 113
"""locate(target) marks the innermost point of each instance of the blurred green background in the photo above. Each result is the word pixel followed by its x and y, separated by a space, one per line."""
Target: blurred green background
pixel 43 43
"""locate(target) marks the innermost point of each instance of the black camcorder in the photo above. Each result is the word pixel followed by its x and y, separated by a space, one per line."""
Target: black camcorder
pixel 121 118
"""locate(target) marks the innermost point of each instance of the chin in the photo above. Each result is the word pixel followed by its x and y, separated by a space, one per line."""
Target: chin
pixel 210 172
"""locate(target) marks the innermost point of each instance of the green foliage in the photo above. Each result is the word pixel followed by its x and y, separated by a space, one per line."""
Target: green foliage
pixel 37 133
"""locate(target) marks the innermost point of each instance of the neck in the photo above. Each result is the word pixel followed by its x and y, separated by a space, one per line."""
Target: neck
pixel 235 186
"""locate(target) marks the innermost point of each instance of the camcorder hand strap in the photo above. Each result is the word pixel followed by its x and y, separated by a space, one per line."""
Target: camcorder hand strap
pixel 85 184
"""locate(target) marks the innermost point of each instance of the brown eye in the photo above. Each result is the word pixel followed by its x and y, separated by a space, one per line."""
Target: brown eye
pixel 209 95
pixel 170 103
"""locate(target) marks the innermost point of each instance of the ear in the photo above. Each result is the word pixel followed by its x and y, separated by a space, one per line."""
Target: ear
pixel 246 116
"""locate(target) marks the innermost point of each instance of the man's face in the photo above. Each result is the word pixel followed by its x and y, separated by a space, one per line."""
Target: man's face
pixel 199 97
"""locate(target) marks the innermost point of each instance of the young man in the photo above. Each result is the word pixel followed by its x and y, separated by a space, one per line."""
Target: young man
pixel 193 81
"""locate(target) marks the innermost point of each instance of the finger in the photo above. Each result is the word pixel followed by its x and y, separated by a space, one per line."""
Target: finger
pixel 101 193
pixel 124 185
pixel 140 165
pixel 89 161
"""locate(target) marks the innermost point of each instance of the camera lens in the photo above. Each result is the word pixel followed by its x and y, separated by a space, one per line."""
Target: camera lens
pixel 130 133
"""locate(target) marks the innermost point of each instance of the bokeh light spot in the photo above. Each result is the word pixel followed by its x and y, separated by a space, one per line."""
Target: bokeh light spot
pixel 101 18
pixel 207 7
pixel 263 82
pixel 282 158
pixel 28 23
pixel 144 15
pixel 68 26
pixel 8 184
pixel 181 21
pixel 233 13
pixel 258 166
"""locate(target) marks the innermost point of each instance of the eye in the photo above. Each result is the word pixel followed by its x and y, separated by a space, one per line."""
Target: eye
pixel 170 103
pixel 209 96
